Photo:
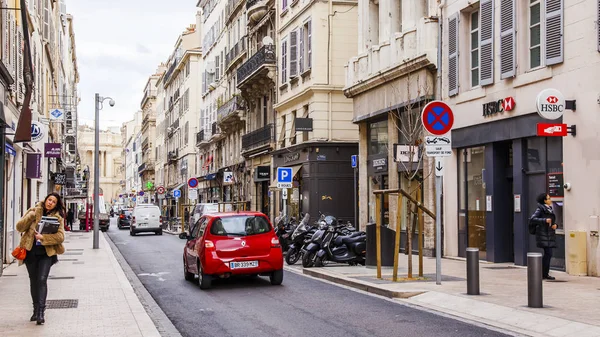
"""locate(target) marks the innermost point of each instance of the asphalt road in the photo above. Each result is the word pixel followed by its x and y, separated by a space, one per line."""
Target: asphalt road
pixel 244 307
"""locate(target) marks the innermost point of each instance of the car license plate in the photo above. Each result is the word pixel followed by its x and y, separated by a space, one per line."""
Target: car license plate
pixel 141 224
pixel 244 264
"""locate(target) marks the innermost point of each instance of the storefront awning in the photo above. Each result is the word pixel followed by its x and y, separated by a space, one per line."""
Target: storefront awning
pixel 295 170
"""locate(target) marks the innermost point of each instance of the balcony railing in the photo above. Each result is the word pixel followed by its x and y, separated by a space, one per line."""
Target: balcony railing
pixel 230 107
pixel 235 51
pixel 171 70
pixel 199 137
pixel 145 143
pixel 265 55
pixel 215 129
pixel 173 127
pixel 172 155
pixel 141 168
pixel 232 5
pixel 258 137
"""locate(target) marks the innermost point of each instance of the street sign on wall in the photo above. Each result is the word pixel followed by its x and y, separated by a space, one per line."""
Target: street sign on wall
pixel 552 130
pixel 284 177
pixel 438 146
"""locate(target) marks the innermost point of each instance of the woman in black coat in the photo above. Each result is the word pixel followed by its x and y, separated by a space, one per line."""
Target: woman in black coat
pixel 545 235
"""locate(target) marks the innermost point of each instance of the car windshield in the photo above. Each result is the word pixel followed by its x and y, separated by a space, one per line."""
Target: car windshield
pixel 240 226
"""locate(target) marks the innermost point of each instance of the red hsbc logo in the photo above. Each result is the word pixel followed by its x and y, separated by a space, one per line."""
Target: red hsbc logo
pixel 551 130
pixel 552 99
pixel 508 104
pixel 501 105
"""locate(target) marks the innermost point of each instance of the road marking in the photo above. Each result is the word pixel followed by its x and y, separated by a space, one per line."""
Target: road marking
pixel 157 275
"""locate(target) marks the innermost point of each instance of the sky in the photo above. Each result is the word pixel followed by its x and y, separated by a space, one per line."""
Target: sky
pixel 119 44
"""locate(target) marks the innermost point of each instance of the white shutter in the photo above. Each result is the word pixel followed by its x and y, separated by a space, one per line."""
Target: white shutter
pixel 309 42
pixel 507 38
pixel 554 32
pixel 453 54
pixel 486 42
pixel 294 54
pixel 204 82
pixel 217 68
pixel 46 20
pixel 283 62
pixel 301 50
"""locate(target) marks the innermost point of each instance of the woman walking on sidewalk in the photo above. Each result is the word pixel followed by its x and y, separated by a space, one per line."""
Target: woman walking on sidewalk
pixel 42 249
pixel 545 236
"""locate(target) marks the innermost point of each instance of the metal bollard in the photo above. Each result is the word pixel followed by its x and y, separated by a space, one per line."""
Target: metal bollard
pixel 535 298
pixel 472 271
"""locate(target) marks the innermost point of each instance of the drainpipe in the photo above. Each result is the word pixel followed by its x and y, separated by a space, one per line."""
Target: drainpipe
pixel 329 105
pixel 439 51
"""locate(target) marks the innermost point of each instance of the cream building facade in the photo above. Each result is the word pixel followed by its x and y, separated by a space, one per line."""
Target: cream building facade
pixel 109 160
pixel 390 80
pixel 313 125
pixel 498 56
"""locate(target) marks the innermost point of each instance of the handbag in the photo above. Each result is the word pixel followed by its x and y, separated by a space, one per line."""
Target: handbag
pixel 19 253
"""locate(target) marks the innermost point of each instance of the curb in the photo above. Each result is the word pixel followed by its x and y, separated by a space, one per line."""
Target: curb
pixel 362 286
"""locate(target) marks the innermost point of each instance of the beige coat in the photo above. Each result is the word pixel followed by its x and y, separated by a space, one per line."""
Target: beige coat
pixel 28 225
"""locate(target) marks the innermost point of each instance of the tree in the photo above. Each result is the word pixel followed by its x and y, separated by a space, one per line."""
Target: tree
pixel 417 168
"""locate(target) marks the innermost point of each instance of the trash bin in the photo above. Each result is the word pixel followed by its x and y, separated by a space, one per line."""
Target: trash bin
pixel 388 240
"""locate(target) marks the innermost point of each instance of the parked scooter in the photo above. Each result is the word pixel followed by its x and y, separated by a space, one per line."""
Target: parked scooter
pixel 349 249
pixel 284 230
pixel 302 232
pixel 314 245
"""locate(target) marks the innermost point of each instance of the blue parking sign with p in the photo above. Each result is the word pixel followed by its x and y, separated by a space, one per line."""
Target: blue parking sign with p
pixel 284 174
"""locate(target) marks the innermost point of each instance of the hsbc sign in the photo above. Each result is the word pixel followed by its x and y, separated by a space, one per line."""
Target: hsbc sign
pixel 499 106
pixel 550 104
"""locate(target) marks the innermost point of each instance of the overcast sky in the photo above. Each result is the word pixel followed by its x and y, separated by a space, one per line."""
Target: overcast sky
pixel 119 45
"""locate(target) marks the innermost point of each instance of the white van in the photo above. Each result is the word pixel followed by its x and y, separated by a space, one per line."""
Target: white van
pixel 146 218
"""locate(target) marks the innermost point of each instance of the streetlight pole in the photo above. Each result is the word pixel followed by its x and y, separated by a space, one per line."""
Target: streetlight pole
pixel 98 102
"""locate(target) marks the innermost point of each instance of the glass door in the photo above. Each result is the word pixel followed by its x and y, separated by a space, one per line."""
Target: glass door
pixel 472 201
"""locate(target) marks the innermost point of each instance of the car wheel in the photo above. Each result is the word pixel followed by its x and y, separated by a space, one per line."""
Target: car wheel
pixel 277 277
pixel 292 256
pixel 307 260
pixel 187 275
pixel 159 232
pixel 205 281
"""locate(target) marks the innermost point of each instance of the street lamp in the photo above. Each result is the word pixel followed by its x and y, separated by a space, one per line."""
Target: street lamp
pixel 98 106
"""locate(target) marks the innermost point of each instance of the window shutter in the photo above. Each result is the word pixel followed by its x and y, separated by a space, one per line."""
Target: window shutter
pixel 20 67
pixel 486 42
pixel 284 62
pixel 309 47
pixel 554 32
pixel 507 39
pixel 217 68
pixel 301 50
pixel 294 54
pixel 204 82
pixel 453 54
pixel 46 20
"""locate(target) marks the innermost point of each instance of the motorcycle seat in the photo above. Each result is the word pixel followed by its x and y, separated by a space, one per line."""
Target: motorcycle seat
pixel 352 239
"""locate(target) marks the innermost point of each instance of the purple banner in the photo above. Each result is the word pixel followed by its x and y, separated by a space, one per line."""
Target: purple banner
pixel 34 166
pixel 52 150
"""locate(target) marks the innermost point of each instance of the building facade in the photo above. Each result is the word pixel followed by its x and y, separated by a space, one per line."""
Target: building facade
pixel 390 80
pixel 313 119
pixel 498 58
pixel 146 168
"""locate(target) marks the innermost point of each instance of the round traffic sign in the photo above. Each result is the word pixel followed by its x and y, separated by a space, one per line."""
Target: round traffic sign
pixel 141 193
pixel 193 182
pixel 160 190
pixel 437 118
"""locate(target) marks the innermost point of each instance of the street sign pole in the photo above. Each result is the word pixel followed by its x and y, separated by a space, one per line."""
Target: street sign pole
pixel 438 229
pixel 355 206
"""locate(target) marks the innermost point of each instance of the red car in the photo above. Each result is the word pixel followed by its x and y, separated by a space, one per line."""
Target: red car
pixel 221 245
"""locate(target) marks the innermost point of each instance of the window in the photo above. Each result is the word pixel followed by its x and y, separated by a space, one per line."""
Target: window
pixel 284 5
pixel 217 68
pixel 240 226
pixel 535 34
pixel 294 53
pixel 187 132
pixel 284 62
pixel 305 45
pixel 378 138
pixel 186 100
pixel 475 49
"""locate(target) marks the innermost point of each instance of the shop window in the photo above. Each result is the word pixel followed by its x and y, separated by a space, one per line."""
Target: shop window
pixel 378 138
pixel 536 154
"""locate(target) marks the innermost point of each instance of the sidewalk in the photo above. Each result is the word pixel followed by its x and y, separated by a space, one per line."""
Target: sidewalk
pixel 91 281
pixel 570 303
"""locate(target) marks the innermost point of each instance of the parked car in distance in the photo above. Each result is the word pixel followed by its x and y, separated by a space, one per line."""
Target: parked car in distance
pixel 221 245
pixel 200 210
pixel 125 216
pixel 146 218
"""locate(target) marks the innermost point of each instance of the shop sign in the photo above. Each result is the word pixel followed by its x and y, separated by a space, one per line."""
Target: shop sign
pixel 403 153
pixel 380 164
pixel 262 173
pixel 34 166
pixel 37 131
pixel 303 124
pixel 551 130
pixel 550 104
pixel 321 157
pixel 499 106
pixel 555 185
pixel 60 179
pixel 52 150
pixel 291 157
pixel 227 177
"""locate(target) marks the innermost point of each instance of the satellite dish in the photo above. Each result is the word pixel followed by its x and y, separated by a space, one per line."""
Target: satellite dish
pixel 267 41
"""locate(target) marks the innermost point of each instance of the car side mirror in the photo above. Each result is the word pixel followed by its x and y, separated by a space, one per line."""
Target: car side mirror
pixel 184 236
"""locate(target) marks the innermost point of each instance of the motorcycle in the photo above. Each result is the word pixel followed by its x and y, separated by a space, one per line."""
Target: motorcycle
pixel 284 230
pixel 299 236
pixel 309 252
pixel 349 249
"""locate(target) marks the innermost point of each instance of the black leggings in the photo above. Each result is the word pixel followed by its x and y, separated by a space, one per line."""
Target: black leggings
pixel 546 261
pixel 38 267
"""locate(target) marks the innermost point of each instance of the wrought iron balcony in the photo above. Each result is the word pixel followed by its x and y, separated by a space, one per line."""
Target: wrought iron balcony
pixel 145 143
pixel 171 70
pixel 199 137
pixel 264 56
pixel 141 168
pixel 230 108
pixel 258 137
pixel 238 49
pixel 232 5
pixel 173 155
pixel 171 129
